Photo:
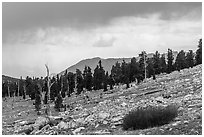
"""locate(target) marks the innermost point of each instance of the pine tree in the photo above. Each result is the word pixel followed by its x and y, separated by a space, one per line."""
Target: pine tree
pixel 63 87
pixel 198 56
pixel 99 74
pixel 5 89
pixel 142 65
pixel 30 87
pixel 105 82
pixel 163 65
pixel 21 83
pixel 64 84
pixel 134 69
pixel 156 63
pixel 89 79
pixel 79 81
pixel 170 59
pixel 189 59
pixel 58 102
pixel 24 91
pixel 111 81
pixel 116 72
pixel 58 84
pixel 96 81
pixel 38 98
pixel 71 83
pixel 53 89
pixel 180 62
pixel 150 68
pixel 85 76
pixel 125 73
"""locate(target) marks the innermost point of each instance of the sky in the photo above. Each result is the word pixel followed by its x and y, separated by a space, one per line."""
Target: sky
pixel 62 34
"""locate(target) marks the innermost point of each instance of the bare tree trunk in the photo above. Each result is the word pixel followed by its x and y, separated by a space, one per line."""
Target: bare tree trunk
pixel 41 94
pixel 48 96
pixel 67 88
pixel 24 91
pixel 9 93
pixel 18 88
pixel 145 66
pixel 61 84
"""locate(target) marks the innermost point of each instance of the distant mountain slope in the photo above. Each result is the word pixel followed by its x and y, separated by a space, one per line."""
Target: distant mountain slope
pixel 106 63
pixel 8 78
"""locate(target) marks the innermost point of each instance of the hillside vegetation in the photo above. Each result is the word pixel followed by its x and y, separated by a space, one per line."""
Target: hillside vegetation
pixel 103 113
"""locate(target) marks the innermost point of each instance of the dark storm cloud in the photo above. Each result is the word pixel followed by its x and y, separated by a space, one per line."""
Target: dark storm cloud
pixel 40 33
pixel 28 15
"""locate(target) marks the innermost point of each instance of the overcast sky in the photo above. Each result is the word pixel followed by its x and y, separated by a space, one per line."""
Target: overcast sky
pixel 61 34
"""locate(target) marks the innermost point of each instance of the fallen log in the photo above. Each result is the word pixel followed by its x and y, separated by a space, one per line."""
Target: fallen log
pixel 153 91
pixel 27 131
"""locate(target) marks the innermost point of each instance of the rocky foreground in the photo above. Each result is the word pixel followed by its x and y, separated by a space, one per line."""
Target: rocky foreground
pixel 103 115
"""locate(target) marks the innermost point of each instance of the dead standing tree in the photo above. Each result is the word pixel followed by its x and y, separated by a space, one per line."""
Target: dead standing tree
pixel 9 93
pixel 48 95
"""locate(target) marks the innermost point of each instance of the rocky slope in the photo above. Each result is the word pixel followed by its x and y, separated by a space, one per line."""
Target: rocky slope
pixel 106 63
pixel 104 112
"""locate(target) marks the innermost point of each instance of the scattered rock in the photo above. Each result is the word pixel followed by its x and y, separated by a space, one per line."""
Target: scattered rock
pixel 78 130
pixel 176 123
pixel 63 125
pixel 72 124
pixel 90 118
pixel 26 129
pixel 124 104
pixel 100 132
pixel 159 99
pixel 103 115
pixel 116 119
pixel 113 126
pixel 40 122
pixel 185 122
pixel 105 122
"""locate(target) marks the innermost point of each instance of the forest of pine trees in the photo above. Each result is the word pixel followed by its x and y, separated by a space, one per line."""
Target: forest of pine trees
pixel 121 73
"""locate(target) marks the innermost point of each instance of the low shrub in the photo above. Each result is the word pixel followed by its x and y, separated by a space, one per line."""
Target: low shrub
pixel 150 117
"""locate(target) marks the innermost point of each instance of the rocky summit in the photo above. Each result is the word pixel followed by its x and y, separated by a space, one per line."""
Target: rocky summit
pixel 103 115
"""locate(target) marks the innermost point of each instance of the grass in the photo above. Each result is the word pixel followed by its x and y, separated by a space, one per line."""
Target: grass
pixel 149 117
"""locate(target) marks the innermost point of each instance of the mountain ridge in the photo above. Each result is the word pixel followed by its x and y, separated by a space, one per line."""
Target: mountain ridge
pixel 106 63
pixel 9 78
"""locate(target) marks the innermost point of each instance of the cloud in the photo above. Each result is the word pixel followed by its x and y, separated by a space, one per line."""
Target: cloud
pixel 63 46
pixel 104 41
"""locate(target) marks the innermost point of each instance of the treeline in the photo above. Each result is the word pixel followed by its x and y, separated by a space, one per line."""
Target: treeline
pixel 121 73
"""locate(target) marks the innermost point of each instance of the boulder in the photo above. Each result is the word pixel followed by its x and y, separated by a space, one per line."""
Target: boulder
pixel 72 124
pixel 103 115
pixel 41 122
pixel 105 122
pixel 22 123
pixel 79 120
pixel 176 123
pixel 90 118
pixel 159 99
pixel 77 130
pixel 124 104
pixel 63 125
pixel 25 130
pixel 116 119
